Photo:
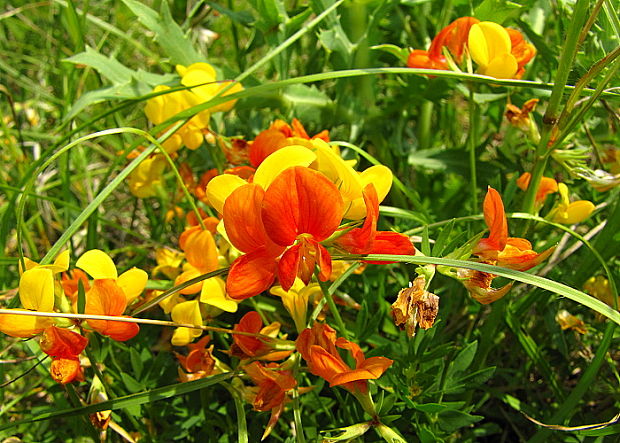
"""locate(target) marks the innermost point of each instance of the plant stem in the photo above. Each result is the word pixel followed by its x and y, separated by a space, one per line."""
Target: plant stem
pixel 569 50
pixel 471 145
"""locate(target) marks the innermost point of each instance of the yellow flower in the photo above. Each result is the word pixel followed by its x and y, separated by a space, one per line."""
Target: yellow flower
pixel 161 108
pixel 566 320
pixel 490 47
pixel 147 177
pixel 168 262
pixel 99 265
pixel 36 293
pixel 295 300
pixel 187 312
pixel 599 287
pixel 570 213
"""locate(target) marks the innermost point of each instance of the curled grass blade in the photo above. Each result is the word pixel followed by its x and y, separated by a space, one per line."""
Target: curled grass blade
pixel 541 282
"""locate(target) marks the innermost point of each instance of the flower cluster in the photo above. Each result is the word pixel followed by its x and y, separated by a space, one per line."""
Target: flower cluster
pixel 41 292
pixel 499 52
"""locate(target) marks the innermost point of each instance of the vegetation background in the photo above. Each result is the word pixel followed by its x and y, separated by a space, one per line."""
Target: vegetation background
pixel 471 377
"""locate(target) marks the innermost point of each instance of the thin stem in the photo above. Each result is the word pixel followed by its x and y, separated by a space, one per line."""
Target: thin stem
pixel 145 321
pixel 550 119
pixel 327 295
pixel 471 144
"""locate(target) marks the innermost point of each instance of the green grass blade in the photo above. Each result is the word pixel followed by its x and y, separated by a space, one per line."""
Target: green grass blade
pixel 127 401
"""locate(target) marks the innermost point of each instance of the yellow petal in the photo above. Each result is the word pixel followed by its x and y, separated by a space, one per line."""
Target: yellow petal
pixel 346 179
pixel 168 303
pixel 61 264
pixel 504 66
pixel 132 282
pixel 214 293
pixel 23 326
pixel 381 177
pixel 36 289
pixel 280 160
pixel 220 187
pixel 576 212
pixel 186 312
pixel 97 264
pixel 486 41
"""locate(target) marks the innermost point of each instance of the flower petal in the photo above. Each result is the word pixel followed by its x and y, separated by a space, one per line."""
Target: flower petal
pixel 301 201
pixel 242 219
pixel 36 289
pixel 220 187
pixel 97 264
pixel 280 160
pixel 132 282
pixel 250 275
pixel 214 293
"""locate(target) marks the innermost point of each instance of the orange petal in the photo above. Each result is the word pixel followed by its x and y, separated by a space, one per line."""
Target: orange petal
pixel 300 201
pixel 360 240
pixel 495 218
pixel 252 323
pixel 60 342
pixel 250 275
pixel 66 370
pixel 242 219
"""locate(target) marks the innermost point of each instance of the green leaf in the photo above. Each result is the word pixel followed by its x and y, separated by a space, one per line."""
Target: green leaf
pixel 402 54
pixel 168 34
pixel 108 67
pixel 463 359
pixel 497 11
pixel 126 401
pixel 452 420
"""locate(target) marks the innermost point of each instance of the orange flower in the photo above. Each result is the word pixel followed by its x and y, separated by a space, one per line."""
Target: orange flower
pixel 247 346
pixel 367 240
pixel 419 58
pixel 64 346
pixel 498 248
pixel 520 117
pixel 300 209
pixel 454 37
pixel 273 384
pixel 547 186
pixel 107 298
pixel 279 135
pixel 522 51
pixel 199 362
pixel 499 52
pixel 318 346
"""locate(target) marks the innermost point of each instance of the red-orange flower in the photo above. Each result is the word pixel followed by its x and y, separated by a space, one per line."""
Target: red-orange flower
pixel 300 209
pixel 273 384
pixel 247 346
pixel 547 186
pixel 199 362
pixel 278 136
pixel 107 298
pixel 498 248
pixel 64 346
pixel 319 347
pixel 367 240
pixel 454 37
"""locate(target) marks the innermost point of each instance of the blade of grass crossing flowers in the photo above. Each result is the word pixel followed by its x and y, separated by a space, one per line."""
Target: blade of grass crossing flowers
pixel 93 205
pixel 242 427
pixel 541 282
pixel 126 401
